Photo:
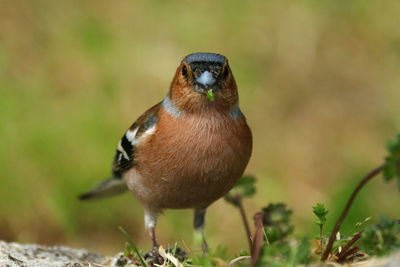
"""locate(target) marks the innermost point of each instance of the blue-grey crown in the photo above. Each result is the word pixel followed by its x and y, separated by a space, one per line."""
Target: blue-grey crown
pixel 204 57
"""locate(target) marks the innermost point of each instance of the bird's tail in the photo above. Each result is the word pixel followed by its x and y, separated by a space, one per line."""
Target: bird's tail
pixel 108 188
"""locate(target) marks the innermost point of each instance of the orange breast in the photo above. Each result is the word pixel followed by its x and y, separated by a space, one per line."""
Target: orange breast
pixel 190 161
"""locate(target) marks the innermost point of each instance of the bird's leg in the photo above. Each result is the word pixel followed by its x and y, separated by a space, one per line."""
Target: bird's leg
pixel 150 220
pixel 198 224
pixel 152 231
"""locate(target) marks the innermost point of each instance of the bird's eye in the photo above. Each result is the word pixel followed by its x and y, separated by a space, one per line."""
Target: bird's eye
pixel 184 71
pixel 226 72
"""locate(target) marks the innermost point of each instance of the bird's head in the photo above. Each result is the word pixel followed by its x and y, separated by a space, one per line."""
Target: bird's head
pixel 204 80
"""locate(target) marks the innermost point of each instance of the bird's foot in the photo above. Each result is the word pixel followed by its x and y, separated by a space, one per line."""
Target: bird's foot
pixel 153 256
pixel 204 246
pixel 200 240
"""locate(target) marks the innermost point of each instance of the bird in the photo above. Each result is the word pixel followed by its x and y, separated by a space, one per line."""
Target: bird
pixel 188 150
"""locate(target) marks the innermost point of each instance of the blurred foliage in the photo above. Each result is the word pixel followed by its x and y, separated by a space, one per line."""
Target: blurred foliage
pixel 280 248
pixel 285 255
pixel 244 188
pixel 210 259
pixel 318 82
pixel 277 222
pixel 382 238
pixel 392 167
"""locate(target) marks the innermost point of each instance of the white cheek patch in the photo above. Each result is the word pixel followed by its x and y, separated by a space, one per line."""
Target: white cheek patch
pixel 206 78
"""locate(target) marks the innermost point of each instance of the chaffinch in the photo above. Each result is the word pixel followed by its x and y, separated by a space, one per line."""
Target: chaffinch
pixel 186 151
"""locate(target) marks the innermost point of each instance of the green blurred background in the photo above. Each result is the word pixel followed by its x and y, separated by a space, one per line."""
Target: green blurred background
pixel 318 80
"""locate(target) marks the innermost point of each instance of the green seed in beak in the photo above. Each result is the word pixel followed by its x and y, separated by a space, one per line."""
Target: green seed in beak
pixel 210 95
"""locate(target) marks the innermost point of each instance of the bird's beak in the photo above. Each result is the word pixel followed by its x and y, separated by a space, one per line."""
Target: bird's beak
pixel 205 83
pixel 206 79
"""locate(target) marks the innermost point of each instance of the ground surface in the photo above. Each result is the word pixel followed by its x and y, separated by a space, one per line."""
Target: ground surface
pixel 20 255
pixel 14 254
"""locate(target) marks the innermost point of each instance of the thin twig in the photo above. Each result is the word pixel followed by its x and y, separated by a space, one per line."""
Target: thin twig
pixel 258 238
pixel 349 253
pixel 348 246
pixel 245 222
pixel 343 215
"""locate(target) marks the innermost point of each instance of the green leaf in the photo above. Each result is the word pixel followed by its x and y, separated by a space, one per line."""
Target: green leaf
pixel 210 95
pixel 276 222
pixel 320 211
pixel 392 166
pixel 245 187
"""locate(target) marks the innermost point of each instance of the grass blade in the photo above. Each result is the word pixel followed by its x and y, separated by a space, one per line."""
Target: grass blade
pixel 132 244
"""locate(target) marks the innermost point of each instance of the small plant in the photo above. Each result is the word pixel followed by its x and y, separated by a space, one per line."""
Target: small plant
pixel 269 244
pixel 390 169
pixel 320 211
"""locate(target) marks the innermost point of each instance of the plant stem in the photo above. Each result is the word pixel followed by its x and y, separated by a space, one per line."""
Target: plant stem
pixel 320 237
pixel 245 221
pixel 348 246
pixel 346 209
pixel 349 253
pixel 258 238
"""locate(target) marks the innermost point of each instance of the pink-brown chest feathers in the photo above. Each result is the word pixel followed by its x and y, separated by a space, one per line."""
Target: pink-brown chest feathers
pixel 200 145
pixel 193 160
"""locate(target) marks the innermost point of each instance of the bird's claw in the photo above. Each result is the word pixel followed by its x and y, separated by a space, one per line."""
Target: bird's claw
pixel 153 256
